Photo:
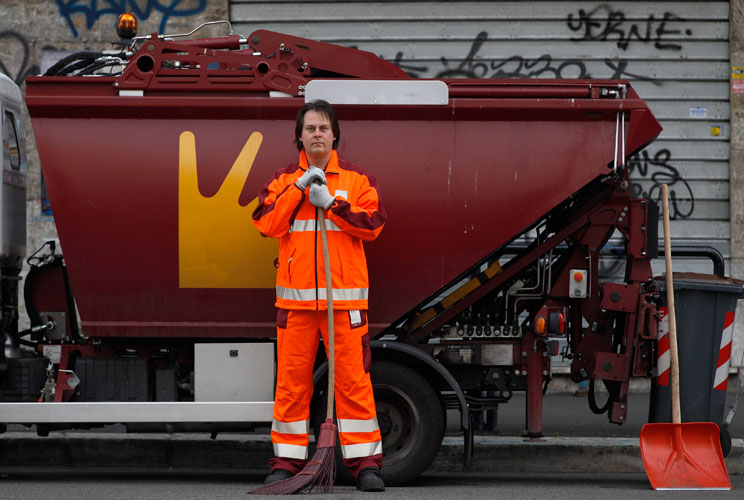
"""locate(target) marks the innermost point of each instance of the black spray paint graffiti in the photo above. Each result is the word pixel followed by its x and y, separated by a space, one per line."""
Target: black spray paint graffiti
pixel 512 67
pixel 603 23
pixel 599 24
pixel 471 66
pixel 681 199
pixel 93 12
pixel 12 42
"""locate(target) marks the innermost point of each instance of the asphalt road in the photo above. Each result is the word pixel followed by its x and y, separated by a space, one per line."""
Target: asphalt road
pixel 184 485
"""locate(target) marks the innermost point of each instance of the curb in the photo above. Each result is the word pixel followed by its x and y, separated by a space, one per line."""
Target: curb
pixel 252 452
pixel 553 454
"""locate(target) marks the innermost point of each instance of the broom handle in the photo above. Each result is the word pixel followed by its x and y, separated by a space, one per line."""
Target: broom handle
pixel 329 299
pixel 674 368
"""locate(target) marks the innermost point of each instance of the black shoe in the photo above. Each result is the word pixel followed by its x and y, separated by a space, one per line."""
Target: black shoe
pixel 369 480
pixel 277 475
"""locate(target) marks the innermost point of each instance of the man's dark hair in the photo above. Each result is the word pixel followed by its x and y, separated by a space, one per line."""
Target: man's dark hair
pixel 325 109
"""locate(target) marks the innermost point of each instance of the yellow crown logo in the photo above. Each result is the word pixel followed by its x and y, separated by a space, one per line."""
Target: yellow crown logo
pixel 218 245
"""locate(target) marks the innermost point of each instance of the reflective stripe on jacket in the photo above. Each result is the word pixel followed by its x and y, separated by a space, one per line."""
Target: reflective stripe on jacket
pixel 357 214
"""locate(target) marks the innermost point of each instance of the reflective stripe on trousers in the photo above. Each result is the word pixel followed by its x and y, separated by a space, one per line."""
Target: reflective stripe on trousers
pixel 359 433
pixel 290 451
pixel 361 449
pixel 359 438
pixel 299 427
pixel 290 438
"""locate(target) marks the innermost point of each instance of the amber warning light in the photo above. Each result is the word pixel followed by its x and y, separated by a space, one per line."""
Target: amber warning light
pixel 540 325
pixel 126 25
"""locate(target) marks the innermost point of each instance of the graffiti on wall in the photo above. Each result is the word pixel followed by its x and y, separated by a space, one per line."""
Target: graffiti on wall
pixel 602 23
pixel 93 10
pixel 471 66
pixel 474 66
pixel 516 67
pixel 657 168
pixel 605 24
pixel 15 56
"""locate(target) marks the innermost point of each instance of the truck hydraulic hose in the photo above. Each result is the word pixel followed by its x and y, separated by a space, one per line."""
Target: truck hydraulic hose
pixel 33 314
pixel 9 301
pixel 61 66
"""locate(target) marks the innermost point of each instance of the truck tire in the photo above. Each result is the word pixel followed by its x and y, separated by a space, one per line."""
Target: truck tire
pixel 411 420
pixel 725 441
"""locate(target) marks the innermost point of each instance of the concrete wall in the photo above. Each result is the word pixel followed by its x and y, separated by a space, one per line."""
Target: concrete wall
pixel 29 28
pixel 737 173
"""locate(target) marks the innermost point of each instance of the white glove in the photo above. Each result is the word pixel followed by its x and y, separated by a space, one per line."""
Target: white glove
pixel 320 197
pixel 309 176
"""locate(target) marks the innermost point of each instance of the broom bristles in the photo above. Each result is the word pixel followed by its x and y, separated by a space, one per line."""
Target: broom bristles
pixel 319 472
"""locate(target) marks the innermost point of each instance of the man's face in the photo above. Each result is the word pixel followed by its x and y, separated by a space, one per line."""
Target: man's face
pixel 317 137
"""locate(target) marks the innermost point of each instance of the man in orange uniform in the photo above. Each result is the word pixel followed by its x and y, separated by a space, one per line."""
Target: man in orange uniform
pixel 354 213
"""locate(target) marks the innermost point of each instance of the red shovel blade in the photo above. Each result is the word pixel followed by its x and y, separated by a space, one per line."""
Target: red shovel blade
pixel 684 456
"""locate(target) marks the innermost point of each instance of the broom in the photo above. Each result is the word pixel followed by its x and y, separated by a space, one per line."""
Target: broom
pixel 320 471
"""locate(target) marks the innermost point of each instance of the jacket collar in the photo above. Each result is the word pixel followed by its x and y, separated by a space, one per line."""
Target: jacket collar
pixel 332 166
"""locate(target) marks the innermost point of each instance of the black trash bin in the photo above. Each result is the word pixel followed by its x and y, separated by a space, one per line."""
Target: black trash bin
pixel 705 305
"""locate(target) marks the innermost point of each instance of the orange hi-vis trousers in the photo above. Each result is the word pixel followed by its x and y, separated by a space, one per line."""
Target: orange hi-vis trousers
pixel 297 343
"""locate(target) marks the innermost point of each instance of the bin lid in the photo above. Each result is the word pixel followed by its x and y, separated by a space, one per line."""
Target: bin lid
pixel 700 281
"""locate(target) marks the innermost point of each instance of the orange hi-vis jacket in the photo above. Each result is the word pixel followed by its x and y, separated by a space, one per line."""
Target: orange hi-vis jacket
pixel 357 214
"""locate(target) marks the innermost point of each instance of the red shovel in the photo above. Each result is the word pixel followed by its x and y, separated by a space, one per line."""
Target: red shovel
pixel 681 456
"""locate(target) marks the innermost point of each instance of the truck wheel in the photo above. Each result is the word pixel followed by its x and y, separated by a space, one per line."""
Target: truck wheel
pixel 725 441
pixel 411 423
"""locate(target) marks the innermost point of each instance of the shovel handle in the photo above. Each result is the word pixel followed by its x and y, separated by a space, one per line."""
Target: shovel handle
pixel 329 300
pixel 671 317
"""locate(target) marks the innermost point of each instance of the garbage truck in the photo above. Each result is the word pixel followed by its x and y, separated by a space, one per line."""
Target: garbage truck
pixel 155 307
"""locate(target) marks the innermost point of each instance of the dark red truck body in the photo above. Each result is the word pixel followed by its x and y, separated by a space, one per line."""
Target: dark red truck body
pixel 457 181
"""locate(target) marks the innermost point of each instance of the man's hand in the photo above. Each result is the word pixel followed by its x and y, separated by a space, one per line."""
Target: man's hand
pixel 309 176
pixel 320 197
